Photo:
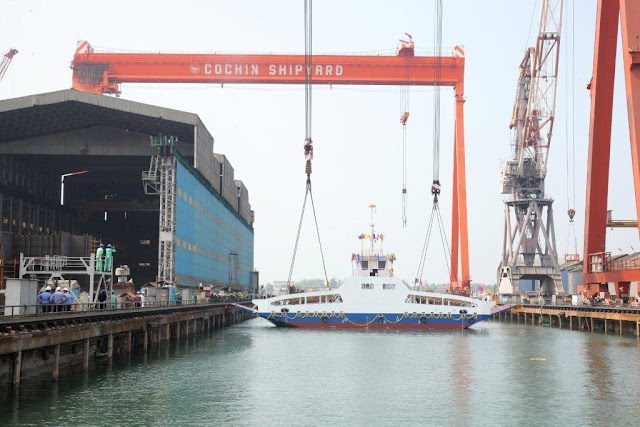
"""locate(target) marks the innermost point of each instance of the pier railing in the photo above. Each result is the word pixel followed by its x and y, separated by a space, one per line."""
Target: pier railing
pixel 29 310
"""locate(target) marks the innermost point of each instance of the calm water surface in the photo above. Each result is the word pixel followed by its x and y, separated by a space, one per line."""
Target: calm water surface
pixel 256 374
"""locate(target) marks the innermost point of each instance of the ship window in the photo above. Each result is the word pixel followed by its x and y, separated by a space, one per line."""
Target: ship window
pixel 367 286
pixel 292 301
pixel 334 298
pixel 313 300
pixel 458 303
pixel 365 265
pixel 382 264
pixel 279 302
pixel 389 286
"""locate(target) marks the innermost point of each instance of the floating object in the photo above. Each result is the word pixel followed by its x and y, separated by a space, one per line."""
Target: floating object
pixel 539 359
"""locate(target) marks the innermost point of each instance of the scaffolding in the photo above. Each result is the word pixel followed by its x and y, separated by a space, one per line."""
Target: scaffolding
pixel 160 180
pixel 57 267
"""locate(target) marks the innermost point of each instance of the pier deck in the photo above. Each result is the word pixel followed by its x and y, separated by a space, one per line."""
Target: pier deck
pixel 47 341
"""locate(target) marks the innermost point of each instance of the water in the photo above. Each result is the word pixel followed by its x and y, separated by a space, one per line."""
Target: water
pixel 255 374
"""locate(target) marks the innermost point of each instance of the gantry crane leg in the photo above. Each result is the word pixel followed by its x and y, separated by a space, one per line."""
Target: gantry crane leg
pixel 602 84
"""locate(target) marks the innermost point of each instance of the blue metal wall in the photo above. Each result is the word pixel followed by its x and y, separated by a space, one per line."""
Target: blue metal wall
pixel 207 232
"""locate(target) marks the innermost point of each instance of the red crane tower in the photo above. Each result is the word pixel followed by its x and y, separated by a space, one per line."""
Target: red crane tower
pixel 6 60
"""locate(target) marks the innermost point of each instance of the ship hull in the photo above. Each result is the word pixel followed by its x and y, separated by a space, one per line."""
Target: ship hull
pixel 393 321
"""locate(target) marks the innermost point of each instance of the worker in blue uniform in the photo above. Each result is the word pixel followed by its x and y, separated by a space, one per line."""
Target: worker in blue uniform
pixel 99 255
pixel 44 299
pixel 109 256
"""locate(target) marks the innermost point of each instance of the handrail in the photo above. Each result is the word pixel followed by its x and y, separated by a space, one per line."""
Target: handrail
pixel 40 310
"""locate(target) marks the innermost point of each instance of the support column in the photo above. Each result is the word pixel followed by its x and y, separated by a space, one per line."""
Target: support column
pixel 56 361
pixel 110 347
pixel 461 189
pixel 605 326
pixel 17 367
pixel 620 327
pixel 591 323
pixel 571 323
pixel 168 333
pixel 85 364
pixel 129 342
pixel 146 340
pixel 178 331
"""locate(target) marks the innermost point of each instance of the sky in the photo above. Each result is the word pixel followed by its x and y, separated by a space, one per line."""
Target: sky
pixel 356 130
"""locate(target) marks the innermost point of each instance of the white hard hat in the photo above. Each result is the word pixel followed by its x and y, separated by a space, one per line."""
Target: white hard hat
pixel 48 288
pixel 58 289
pixel 66 289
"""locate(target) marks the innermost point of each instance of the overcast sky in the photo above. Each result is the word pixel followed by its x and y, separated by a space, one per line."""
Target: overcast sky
pixel 355 128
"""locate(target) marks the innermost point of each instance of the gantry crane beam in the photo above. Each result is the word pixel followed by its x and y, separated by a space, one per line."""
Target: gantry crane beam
pixel 598 267
pixel 103 72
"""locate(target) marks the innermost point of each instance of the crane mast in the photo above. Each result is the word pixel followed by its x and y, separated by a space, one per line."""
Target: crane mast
pixel 6 60
pixel 529 247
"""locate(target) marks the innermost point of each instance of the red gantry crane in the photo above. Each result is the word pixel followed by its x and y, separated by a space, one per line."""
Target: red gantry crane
pixel 104 72
pixel 6 60
pixel 599 268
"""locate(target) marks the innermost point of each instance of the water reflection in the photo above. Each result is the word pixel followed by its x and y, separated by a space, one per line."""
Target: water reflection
pixel 251 374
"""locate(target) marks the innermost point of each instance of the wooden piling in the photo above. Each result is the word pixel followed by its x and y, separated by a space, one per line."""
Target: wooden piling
pixel 110 347
pixel 85 362
pixel 17 367
pixel 56 361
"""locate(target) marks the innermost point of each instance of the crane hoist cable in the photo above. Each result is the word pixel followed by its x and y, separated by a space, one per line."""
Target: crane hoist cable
pixel 404 106
pixel 437 40
pixel 308 143
pixel 435 187
pixel 572 238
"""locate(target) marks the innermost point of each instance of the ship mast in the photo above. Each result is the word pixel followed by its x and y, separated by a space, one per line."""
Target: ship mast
pixel 373 233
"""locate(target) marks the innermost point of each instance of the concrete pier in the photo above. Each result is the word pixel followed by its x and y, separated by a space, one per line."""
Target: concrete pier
pixel 37 344
pixel 617 320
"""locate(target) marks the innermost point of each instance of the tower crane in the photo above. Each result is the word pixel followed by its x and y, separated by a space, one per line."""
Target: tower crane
pixel 529 243
pixel 6 60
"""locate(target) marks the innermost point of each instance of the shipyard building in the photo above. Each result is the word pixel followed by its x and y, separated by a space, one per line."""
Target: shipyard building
pixel 141 177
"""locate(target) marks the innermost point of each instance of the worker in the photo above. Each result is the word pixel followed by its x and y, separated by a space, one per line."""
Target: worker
pixel 114 299
pixel 70 299
pixel 58 299
pixel 99 255
pixel 44 298
pixel 109 256
pixel 194 298
pixel 102 297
